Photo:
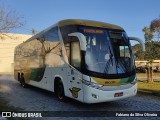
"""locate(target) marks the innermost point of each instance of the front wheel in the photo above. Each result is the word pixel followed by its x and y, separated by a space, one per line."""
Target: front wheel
pixel 60 92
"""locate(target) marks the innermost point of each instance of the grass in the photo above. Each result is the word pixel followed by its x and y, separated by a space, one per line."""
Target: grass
pixel 5 107
pixel 145 75
pixel 153 87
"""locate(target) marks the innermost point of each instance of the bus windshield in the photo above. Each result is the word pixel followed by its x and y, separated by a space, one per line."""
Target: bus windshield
pixel 108 51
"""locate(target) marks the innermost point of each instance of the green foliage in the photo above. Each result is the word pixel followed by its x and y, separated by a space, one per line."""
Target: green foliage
pixel 152 37
pixel 138 53
pixel 148 35
pixel 152 51
pixel 155 28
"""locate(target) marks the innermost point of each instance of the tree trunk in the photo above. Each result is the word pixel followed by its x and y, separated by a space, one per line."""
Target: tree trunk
pixel 148 74
pixel 151 73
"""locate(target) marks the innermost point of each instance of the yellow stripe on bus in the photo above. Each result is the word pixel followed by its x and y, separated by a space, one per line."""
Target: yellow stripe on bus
pixel 107 82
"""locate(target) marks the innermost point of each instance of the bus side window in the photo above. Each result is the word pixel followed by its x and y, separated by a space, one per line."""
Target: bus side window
pixel 67 47
pixel 75 57
pixel 52 35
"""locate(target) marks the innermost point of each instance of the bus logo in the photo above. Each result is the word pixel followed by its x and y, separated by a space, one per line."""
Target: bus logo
pixel 110 82
pixel 75 91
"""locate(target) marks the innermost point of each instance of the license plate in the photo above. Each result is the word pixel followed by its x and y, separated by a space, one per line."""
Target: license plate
pixel 118 94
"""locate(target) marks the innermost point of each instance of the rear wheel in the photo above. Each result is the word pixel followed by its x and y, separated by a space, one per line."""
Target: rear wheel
pixel 22 82
pixel 19 76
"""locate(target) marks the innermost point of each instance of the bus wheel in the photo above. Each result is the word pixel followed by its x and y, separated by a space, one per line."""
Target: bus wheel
pixel 60 91
pixel 22 82
pixel 19 76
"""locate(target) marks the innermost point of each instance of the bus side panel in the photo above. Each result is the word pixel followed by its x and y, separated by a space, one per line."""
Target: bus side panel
pixel 29 60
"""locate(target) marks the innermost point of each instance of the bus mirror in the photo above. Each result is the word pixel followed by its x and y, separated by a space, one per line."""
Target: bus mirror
pixel 140 41
pixel 81 38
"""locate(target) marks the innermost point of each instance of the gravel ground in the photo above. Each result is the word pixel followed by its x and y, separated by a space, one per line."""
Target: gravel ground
pixel 35 99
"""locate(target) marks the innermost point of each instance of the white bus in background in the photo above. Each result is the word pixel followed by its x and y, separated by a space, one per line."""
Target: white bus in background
pixel 85 60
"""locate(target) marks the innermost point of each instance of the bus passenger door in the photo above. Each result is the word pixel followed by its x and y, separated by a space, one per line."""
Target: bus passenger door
pixel 75 77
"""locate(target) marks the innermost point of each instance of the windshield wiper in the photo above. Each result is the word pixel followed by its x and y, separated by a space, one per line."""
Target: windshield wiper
pixel 110 61
pixel 122 64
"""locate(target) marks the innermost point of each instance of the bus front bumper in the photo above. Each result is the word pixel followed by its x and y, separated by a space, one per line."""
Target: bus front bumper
pixel 93 95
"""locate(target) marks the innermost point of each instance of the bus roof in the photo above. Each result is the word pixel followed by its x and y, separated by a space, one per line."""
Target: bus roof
pixel 88 23
pixel 77 22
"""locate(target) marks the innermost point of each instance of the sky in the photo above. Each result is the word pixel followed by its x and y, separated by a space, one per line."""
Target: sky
pixel 132 15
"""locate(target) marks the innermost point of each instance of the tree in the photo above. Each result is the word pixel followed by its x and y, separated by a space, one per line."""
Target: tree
pixel 152 39
pixel 148 35
pixel 139 54
pixel 155 28
pixel 9 20
pixel 152 35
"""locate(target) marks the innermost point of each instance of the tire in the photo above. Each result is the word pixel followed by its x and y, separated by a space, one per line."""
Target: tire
pixel 60 92
pixel 19 77
pixel 22 82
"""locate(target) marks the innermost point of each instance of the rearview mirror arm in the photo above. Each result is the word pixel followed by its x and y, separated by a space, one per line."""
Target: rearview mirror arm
pixel 140 41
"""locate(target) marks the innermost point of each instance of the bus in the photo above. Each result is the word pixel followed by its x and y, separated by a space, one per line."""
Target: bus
pixel 86 60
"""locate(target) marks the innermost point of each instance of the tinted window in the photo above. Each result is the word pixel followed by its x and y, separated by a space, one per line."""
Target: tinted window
pixel 52 35
pixel 75 54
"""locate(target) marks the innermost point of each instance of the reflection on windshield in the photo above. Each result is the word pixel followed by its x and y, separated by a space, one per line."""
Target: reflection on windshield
pixel 107 51
pixel 122 51
pixel 98 54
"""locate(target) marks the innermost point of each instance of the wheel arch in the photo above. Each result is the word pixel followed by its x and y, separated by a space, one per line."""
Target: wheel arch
pixel 59 79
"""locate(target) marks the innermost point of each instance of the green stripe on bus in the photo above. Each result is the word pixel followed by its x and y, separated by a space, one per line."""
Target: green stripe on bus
pixel 37 74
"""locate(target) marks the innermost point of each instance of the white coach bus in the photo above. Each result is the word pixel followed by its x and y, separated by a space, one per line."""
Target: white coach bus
pixel 81 59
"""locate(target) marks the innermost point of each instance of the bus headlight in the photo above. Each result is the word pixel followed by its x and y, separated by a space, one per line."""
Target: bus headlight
pixel 92 84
